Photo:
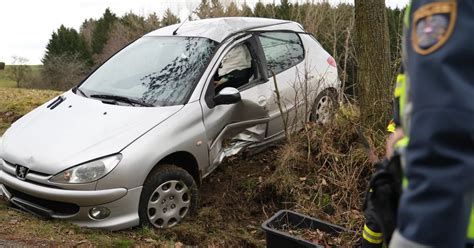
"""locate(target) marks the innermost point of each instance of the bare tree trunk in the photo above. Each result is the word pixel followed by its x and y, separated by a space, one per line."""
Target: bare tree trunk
pixel 373 56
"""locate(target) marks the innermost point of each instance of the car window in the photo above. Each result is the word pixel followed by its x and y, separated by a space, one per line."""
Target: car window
pixel 236 68
pixel 159 71
pixel 282 50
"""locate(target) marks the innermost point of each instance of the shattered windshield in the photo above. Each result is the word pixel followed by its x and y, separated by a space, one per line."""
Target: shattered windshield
pixel 159 71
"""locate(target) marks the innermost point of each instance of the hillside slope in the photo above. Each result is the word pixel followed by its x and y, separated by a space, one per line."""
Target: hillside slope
pixel 321 172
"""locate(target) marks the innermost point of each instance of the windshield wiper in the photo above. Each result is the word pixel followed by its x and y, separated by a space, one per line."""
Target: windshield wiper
pixel 123 99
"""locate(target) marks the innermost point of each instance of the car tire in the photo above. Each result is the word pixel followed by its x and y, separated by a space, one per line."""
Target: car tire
pixel 169 194
pixel 324 107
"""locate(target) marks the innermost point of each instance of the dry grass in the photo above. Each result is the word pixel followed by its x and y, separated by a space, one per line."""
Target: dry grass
pixel 23 227
pixel 330 183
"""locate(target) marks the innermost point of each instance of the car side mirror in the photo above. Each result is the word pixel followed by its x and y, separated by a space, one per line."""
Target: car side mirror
pixel 228 95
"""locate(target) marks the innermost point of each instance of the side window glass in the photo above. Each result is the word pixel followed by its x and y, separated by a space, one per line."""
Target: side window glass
pixel 236 69
pixel 282 50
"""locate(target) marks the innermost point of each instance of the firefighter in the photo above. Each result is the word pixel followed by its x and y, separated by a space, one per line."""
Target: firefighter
pixel 397 139
pixel 439 59
pixel 372 234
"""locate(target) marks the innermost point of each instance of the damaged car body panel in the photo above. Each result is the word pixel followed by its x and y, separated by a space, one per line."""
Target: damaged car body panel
pixel 130 144
pixel 230 128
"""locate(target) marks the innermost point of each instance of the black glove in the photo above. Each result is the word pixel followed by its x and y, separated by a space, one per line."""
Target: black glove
pixel 383 195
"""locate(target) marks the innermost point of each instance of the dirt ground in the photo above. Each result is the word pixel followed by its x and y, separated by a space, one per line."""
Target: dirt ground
pixel 229 213
pixel 11 244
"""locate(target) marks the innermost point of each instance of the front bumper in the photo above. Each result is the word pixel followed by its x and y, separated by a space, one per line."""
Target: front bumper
pixel 79 197
pixel 73 205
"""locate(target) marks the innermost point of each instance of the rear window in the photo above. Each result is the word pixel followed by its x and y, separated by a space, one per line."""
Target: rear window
pixel 282 50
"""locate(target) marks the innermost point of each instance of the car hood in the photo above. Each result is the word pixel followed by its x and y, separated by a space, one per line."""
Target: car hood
pixel 77 130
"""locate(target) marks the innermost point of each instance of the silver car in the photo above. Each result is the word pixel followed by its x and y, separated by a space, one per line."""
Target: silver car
pixel 130 145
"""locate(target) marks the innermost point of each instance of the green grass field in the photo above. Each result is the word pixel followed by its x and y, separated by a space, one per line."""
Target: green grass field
pixel 7 82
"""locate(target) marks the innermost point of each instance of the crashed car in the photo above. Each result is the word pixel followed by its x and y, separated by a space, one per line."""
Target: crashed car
pixel 131 143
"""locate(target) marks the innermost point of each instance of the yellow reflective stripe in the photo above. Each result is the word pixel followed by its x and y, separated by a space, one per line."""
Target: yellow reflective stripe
pixel 470 228
pixel 398 92
pixel 407 15
pixel 404 182
pixel 372 240
pixel 402 98
pixel 403 142
pixel 391 127
pixel 372 233
pixel 400 86
pixel 401 77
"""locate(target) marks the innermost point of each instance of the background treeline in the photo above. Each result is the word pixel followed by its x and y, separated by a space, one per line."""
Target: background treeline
pixel 72 54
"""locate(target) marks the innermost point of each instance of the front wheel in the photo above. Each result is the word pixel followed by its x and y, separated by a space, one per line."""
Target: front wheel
pixel 324 107
pixel 169 194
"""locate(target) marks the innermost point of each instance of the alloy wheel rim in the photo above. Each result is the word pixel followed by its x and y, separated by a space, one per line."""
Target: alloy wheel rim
pixel 168 204
pixel 323 110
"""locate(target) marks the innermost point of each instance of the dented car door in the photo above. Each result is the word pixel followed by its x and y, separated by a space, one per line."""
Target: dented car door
pixel 232 127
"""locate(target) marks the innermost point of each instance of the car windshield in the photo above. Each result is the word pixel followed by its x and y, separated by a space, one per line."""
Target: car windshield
pixel 158 71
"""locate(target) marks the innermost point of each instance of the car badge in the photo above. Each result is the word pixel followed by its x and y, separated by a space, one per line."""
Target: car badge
pixel 21 172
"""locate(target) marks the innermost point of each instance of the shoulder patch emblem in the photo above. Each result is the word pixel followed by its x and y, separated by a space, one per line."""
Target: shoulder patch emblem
pixel 432 26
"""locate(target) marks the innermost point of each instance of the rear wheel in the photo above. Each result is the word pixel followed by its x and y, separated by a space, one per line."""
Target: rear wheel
pixel 324 107
pixel 169 194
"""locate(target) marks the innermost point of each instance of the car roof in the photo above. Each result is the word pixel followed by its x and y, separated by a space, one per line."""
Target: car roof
pixel 218 29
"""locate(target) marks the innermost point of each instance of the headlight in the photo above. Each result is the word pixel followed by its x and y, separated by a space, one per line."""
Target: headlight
pixel 88 172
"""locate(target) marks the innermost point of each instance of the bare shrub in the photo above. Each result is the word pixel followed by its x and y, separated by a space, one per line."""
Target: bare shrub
pixel 87 30
pixel 119 37
pixel 63 71
pixel 18 71
pixel 127 30
pixel 34 81
pixel 330 185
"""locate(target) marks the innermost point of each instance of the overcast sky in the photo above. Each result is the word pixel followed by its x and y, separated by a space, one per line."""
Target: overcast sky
pixel 26 25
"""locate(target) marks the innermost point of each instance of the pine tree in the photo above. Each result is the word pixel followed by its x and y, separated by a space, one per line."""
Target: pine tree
pixel 270 10
pixel 217 10
pixel 204 10
pixel 283 11
pixel 169 18
pixel 259 10
pixel 246 10
pixel 232 10
pixel 152 22
pixel 66 41
pixel 101 31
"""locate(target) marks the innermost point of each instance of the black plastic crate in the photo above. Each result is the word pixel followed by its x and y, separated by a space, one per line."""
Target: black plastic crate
pixel 290 219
